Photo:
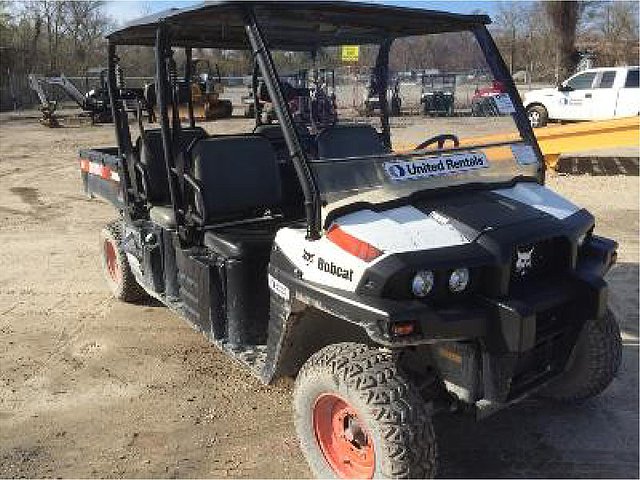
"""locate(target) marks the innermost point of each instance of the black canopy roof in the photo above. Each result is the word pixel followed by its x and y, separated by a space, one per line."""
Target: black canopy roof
pixel 292 25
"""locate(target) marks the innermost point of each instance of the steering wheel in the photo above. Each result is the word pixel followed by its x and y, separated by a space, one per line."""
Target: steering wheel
pixel 441 139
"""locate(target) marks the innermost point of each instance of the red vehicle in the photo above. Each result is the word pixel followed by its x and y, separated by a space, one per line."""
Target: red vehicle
pixel 482 101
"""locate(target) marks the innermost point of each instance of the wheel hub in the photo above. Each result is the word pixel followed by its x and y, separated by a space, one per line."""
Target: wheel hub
pixel 534 118
pixel 343 438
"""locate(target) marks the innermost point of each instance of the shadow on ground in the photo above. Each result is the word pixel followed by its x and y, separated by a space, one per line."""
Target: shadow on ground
pixel 603 165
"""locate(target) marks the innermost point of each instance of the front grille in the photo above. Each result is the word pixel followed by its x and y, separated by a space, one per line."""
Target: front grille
pixel 556 333
pixel 546 258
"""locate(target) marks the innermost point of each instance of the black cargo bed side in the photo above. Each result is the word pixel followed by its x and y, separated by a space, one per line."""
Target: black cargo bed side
pixel 101 170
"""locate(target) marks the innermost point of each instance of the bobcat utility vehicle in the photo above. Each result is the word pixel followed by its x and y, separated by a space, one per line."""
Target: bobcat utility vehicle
pixel 394 283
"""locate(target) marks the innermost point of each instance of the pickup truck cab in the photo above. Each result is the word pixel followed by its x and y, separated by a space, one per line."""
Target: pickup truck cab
pixel 593 94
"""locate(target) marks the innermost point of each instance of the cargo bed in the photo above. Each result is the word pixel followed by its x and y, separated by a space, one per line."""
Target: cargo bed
pixel 101 169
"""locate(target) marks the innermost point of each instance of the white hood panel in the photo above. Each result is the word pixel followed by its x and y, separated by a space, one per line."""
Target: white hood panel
pixel 403 229
pixel 540 198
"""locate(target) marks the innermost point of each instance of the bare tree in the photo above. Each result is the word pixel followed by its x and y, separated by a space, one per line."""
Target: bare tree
pixel 511 19
pixel 86 26
pixel 616 30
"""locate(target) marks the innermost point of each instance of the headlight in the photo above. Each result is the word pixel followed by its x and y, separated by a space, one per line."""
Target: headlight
pixel 459 280
pixel 422 283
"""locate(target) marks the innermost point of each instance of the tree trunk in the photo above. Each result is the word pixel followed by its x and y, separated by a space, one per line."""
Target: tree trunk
pixel 37 30
pixel 564 16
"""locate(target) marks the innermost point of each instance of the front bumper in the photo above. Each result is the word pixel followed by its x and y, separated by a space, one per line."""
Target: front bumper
pixel 489 351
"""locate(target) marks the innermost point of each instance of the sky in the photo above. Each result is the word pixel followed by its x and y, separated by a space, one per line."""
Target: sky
pixel 125 10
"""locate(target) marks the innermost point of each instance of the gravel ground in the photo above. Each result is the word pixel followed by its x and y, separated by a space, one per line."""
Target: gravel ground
pixel 91 387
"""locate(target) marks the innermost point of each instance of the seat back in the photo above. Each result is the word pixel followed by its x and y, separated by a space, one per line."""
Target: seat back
pixel 293 198
pixel 343 141
pixel 238 173
pixel 152 157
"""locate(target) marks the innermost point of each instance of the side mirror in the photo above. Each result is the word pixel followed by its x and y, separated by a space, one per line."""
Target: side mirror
pixel 564 88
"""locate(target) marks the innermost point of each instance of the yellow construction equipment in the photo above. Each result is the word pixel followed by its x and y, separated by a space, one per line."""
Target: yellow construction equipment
pixel 555 140
pixel 579 137
pixel 205 87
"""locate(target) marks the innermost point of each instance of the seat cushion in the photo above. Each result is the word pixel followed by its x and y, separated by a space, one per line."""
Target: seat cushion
pixel 163 216
pixel 236 243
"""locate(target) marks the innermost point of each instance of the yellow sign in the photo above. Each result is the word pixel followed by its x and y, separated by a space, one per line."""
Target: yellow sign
pixel 350 53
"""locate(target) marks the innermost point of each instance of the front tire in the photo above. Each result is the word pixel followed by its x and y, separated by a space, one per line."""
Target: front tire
pixel 538 116
pixel 594 362
pixel 115 265
pixel 358 416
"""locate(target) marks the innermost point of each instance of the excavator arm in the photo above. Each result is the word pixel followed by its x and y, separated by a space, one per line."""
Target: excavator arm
pixel 70 89
pixel 47 107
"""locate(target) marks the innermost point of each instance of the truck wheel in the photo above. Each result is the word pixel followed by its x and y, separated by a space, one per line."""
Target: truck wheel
pixel 358 416
pixel 538 116
pixel 593 363
pixel 115 266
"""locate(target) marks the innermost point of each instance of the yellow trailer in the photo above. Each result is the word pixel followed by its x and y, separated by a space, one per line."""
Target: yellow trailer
pixel 579 137
pixel 555 140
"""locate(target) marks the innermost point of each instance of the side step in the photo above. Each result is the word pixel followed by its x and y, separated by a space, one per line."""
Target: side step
pixel 231 323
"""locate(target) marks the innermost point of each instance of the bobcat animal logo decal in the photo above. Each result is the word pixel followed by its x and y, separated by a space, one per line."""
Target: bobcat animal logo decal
pixel 524 261
pixel 308 257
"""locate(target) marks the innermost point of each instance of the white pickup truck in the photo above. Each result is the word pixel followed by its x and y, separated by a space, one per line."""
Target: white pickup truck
pixel 593 94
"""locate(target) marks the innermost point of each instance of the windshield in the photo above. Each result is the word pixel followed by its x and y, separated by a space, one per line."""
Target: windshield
pixel 438 85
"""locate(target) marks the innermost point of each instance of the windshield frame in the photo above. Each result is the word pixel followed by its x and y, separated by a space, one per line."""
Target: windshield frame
pixel 352 22
pixel 500 72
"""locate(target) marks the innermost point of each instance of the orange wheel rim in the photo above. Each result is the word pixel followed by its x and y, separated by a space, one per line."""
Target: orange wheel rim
pixel 111 258
pixel 343 438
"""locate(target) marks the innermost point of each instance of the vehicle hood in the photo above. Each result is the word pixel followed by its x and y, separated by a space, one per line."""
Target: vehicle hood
pixel 453 220
pixel 474 224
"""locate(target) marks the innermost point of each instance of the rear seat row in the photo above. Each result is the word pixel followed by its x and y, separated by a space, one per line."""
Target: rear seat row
pixel 241 173
pixel 151 154
pixel 340 141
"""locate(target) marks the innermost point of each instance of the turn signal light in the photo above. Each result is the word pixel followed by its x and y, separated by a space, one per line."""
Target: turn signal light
pixel 353 245
pixel 402 329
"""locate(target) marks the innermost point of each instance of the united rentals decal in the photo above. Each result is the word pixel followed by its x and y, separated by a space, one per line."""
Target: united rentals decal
pixel 435 166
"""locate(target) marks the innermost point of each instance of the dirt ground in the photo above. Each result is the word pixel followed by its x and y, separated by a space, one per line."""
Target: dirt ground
pixel 91 387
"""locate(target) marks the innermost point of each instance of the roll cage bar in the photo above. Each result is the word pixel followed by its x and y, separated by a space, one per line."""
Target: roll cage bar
pixel 164 30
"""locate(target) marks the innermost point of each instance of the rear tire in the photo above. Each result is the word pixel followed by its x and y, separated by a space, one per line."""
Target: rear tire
pixel 115 265
pixel 593 364
pixel 538 116
pixel 358 416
